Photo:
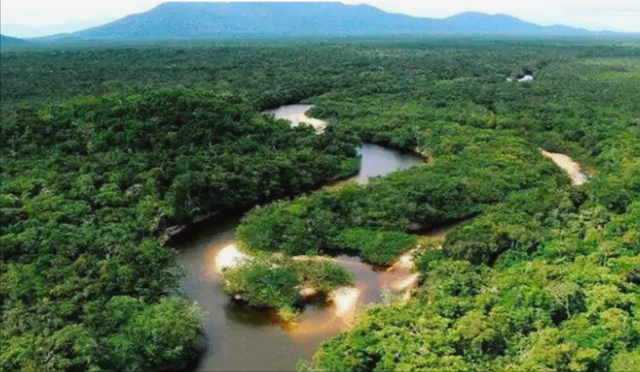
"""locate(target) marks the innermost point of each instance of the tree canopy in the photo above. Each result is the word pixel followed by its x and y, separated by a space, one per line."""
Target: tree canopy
pixel 88 186
pixel 104 149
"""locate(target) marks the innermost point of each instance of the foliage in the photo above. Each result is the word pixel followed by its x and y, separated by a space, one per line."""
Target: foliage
pixel 87 188
pixel 276 282
pixel 545 277
pixel 454 188
pixel 380 248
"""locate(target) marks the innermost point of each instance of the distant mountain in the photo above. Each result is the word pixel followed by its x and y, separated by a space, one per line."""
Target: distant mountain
pixel 7 41
pixel 208 20
pixel 474 22
pixel 565 30
pixel 180 20
pixel 25 31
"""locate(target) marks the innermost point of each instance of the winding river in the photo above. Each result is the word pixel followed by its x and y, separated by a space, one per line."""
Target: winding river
pixel 241 338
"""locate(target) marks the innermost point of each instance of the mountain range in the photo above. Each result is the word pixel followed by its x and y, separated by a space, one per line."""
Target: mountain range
pixel 206 20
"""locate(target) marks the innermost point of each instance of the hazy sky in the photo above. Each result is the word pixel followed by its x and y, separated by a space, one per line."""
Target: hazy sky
pixel 617 15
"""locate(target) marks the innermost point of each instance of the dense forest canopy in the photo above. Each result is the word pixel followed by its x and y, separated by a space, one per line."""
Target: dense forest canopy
pixel 103 149
pixel 545 277
pixel 87 187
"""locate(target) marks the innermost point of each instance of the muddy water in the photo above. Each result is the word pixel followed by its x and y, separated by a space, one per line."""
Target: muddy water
pixel 241 338
pixel 570 167
pixel 296 115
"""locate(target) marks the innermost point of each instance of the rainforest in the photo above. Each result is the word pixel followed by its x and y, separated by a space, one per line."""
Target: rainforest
pixel 111 156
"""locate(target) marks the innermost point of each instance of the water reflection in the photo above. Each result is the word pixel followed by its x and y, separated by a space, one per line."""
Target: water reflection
pixel 242 338
pixel 380 161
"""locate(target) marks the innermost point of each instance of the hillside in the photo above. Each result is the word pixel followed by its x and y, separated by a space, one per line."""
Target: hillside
pixel 7 41
pixel 202 20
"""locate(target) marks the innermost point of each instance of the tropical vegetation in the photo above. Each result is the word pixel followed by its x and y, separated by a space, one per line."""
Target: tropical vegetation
pixel 104 149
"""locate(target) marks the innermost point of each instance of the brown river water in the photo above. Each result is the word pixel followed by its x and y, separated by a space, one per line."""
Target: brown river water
pixel 241 338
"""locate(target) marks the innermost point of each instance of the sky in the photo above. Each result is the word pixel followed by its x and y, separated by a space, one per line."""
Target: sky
pixel 614 15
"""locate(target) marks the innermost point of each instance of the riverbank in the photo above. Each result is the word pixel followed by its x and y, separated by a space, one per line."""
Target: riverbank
pixel 235 331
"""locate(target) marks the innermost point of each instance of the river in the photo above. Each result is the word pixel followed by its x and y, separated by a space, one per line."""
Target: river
pixel 296 115
pixel 572 168
pixel 241 338
pixel 376 160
